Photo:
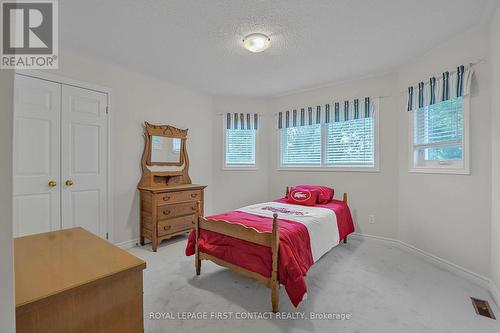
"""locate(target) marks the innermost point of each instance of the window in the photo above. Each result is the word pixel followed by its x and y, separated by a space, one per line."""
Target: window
pixel 338 145
pixel 439 123
pixel 350 143
pixel 240 148
pixel 438 143
pixel 301 146
pixel 240 141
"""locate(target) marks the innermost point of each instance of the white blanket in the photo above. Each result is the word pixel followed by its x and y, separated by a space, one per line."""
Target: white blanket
pixel 321 223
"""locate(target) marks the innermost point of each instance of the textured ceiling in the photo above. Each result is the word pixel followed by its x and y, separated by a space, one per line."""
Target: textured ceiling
pixel 313 43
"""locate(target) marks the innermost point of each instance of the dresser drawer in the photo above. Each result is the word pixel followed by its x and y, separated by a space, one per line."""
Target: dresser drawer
pixel 180 209
pixel 169 226
pixel 172 197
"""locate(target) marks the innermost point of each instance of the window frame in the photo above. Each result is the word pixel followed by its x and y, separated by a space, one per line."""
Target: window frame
pixel 457 167
pixel 238 167
pixel 332 168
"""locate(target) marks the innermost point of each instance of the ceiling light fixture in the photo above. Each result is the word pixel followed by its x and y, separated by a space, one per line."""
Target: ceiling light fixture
pixel 256 42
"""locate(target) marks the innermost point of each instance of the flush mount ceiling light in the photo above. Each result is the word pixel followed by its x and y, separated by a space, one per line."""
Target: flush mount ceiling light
pixel 256 42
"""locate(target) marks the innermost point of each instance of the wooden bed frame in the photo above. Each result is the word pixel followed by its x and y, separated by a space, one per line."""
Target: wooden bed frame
pixel 269 239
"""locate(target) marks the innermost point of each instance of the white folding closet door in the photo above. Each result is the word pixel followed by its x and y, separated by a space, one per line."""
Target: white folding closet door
pixel 84 159
pixel 37 110
pixel 60 157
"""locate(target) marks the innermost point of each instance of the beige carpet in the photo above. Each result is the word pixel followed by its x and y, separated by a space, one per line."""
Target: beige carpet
pixel 380 287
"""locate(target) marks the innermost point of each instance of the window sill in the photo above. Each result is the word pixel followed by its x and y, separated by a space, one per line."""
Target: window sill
pixel 331 169
pixel 240 168
pixel 440 171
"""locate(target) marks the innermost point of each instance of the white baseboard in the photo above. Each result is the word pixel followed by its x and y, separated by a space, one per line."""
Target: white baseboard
pixel 443 263
pixel 379 238
pixel 128 244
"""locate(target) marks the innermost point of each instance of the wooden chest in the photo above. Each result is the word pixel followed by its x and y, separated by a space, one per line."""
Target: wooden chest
pixel 73 281
pixel 169 211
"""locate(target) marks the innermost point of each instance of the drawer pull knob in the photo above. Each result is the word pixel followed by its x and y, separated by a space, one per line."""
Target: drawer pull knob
pixel 166 212
pixel 166 198
pixel 194 195
pixel 167 227
pixel 193 208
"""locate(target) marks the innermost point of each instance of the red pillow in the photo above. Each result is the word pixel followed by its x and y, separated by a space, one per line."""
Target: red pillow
pixel 302 197
pixel 325 194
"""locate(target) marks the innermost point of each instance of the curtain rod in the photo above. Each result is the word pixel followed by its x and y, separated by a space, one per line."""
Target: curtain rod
pixel 470 65
pixel 331 103
pixel 252 113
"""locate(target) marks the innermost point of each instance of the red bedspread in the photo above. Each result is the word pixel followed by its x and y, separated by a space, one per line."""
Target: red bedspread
pixel 295 256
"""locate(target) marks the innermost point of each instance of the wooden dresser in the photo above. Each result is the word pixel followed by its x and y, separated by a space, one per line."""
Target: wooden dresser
pixel 73 281
pixel 169 211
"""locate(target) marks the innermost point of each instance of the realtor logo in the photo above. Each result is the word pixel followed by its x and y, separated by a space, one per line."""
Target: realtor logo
pixel 29 34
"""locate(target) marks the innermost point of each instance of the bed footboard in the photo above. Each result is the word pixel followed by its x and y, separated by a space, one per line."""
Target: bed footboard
pixel 239 231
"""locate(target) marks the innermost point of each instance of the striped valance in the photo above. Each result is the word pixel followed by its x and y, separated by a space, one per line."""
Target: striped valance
pixel 334 112
pixel 242 121
pixel 437 89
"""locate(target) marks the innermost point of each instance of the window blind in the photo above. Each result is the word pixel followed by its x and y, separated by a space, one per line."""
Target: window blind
pixel 301 145
pixel 438 130
pixel 350 142
pixel 240 147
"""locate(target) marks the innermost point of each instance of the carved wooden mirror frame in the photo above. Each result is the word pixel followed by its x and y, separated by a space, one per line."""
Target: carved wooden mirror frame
pixel 159 178
pixel 149 146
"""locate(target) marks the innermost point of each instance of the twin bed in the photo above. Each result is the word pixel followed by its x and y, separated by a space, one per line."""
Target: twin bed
pixel 273 242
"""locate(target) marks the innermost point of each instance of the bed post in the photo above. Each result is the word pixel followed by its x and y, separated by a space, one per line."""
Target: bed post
pixel 197 261
pixel 274 274
pixel 345 200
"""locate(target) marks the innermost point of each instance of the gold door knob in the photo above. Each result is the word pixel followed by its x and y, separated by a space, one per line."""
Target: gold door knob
pixel 69 182
pixel 52 183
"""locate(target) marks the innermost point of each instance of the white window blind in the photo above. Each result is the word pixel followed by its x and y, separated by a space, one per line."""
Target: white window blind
pixel 340 144
pixel 240 147
pixel 350 143
pixel 301 146
pixel 438 132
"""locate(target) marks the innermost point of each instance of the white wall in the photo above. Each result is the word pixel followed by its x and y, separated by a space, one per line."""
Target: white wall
pixel 370 193
pixel 7 323
pixel 234 189
pixel 449 215
pixel 136 98
pixel 495 123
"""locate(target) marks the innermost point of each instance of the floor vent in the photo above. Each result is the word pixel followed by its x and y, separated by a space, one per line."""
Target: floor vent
pixel 482 308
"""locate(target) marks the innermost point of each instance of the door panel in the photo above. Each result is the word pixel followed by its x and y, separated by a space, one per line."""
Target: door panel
pixel 83 205
pixel 36 160
pixel 84 159
pixel 34 214
pixel 33 155
pixel 85 141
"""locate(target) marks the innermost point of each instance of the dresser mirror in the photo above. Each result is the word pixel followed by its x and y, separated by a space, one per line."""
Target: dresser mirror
pixel 164 160
pixel 165 150
pixel 170 203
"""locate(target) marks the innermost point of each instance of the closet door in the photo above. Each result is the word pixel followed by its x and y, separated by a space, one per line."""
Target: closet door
pixel 37 109
pixel 84 147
